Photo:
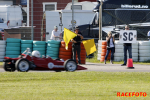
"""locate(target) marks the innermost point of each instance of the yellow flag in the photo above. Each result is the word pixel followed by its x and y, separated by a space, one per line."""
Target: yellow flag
pixel 89 46
pixel 68 35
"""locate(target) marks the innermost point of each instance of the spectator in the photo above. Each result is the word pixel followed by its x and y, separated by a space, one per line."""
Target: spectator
pixel 76 44
pixel 110 47
pixel 55 34
pixel 127 46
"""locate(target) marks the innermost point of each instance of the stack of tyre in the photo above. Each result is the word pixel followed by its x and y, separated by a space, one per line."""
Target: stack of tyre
pixel 63 53
pixel 104 51
pixel 99 49
pixel 40 46
pixel 119 53
pixel 53 48
pixel 144 51
pixel 26 44
pixel 13 47
pixel 82 55
pixel 2 49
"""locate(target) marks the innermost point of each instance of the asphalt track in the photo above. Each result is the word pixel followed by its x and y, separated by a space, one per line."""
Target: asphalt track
pixel 107 68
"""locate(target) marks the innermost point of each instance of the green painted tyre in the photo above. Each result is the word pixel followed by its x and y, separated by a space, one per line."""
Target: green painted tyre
pixel 53 45
pixel 13 45
pixel 39 46
pixel 39 42
pixel 53 42
pixel 39 49
pixel 12 52
pixel 52 49
pixel 12 48
pixel 26 45
pixel 27 41
pixel 52 52
pixel 12 56
pixel 13 40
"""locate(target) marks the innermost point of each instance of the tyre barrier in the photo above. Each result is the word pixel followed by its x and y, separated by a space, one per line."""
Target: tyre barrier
pixel 144 51
pixel 53 48
pixel 40 46
pixel 13 47
pixel 99 50
pixel 26 44
pixel 63 53
pixel 104 51
pixel 119 53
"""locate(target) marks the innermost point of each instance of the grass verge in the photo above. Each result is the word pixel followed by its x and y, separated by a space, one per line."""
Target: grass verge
pixel 72 86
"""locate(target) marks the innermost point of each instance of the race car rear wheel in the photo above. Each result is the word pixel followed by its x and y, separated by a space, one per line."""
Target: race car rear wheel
pixel 22 65
pixel 9 67
pixel 70 65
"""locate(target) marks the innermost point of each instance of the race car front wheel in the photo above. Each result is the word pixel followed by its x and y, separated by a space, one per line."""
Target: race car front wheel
pixel 22 65
pixel 70 65
pixel 8 66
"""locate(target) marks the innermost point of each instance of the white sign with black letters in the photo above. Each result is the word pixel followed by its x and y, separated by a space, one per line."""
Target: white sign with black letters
pixel 128 36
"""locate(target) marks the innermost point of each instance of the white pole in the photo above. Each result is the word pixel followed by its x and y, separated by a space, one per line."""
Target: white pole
pixel 72 15
pixel 28 12
pixel 32 31
pixel 100 21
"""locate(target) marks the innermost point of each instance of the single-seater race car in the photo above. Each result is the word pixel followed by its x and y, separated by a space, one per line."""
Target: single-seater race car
pixel 25 62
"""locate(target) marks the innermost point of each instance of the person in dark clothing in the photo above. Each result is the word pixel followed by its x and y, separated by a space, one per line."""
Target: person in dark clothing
pixel 110 47
pixel 76 44
pixel 127 46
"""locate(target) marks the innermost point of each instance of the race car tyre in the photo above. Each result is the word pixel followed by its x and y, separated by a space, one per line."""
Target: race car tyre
pixel 22 65
pixel 53 42
pixel 39 42
pixel 13 40
pixel 53 45
pixel 13 44
pixel 12 48
pixel 26 45
pixel 12 52
pixel 2 42
pixel 70 65
pixel 9 67
pixel 26 41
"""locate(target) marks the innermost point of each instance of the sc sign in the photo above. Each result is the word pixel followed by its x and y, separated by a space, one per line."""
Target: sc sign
pixel 128 36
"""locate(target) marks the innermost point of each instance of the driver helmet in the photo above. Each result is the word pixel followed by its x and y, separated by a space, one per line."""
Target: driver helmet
pixel 36 54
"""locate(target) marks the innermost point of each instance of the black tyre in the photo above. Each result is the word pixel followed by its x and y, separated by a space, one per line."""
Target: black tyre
pixel 22 65
pixel 70 65
pixel 9 67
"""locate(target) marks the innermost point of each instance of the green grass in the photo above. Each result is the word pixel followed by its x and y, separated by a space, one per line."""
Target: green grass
pixel 72 85
pixel 94 60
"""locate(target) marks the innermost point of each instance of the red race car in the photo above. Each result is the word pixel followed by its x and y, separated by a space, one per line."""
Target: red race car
pixel 25 62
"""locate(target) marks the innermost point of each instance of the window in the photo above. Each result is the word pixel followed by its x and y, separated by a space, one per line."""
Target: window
pixel 138 16
pixel 77 7
pixel 48 6
pixel 136 2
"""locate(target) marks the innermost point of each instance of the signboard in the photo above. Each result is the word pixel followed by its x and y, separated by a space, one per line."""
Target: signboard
pixel 128 36
pixel 23 2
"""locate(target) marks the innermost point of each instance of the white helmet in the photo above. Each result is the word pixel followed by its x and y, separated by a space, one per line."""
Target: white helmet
pixel 36 53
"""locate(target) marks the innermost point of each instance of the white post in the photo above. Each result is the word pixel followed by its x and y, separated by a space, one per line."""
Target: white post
pixel 27 13
pixel 32 30
pixel 72 15
pixel 100 20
